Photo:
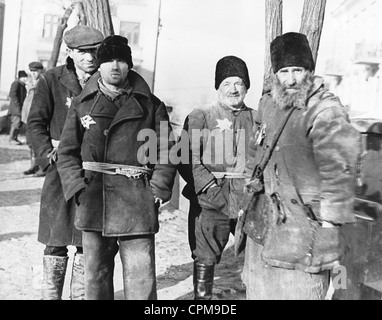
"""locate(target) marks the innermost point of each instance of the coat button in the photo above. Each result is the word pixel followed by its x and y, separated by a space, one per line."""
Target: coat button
pixel 277 148
pixel 105 132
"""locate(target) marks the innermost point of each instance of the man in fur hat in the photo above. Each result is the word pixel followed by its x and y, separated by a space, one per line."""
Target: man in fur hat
pixel 218 135
pixel 309 179
pixel 54 93
pixel 104 167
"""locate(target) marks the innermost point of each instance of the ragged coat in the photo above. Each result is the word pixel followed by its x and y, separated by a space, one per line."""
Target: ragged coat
pixel 101 130
pixel 313 164
pixel 54 92
pixel 219 138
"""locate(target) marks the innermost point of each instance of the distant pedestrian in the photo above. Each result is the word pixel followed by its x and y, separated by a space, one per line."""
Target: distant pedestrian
pixel 36 69
pixel 17 94
pixel 54 93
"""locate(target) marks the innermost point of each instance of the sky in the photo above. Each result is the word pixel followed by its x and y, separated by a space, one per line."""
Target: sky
pixel 195 34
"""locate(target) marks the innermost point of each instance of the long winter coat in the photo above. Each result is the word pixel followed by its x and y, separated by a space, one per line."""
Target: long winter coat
pixel 115 204
pixel 221 147
pixel 17 94
pixel 51 101
pixel 313 164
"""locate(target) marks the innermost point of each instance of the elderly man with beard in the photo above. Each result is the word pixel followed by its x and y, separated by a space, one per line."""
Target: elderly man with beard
pixel 309 180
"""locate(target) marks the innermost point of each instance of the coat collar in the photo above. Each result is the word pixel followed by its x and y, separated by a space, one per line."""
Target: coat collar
pixel 139 86
pixel 68 77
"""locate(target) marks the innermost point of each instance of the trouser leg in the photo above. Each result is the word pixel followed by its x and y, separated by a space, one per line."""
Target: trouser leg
pixel 138 262
pixel 55 262
pixel 212 230
pixel 99 253
pixel 264 282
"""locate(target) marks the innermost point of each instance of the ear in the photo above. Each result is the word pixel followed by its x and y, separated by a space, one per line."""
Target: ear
pixel 69 52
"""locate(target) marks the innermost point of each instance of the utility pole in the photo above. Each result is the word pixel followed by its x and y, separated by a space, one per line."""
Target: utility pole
pixel 156 45
pixel 18 37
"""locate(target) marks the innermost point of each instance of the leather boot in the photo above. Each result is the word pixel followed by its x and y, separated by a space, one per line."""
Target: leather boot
pixel 203 281
pixel 54 269
pixel 77 284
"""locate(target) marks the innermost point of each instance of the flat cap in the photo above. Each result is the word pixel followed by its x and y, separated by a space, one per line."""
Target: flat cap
pixel 83 37
pixel 35 65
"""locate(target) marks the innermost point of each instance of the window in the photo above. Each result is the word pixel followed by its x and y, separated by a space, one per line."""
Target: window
pixel 51 22
pixel 130 30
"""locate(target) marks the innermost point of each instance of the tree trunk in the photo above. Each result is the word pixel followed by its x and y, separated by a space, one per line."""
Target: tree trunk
pixel 58 39
pixel 273 28
pixel 98 16
pixel 312 21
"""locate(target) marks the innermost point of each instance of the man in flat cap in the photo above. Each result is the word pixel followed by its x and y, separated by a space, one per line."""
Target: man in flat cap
pixel 309 179
pixel 104 167
pixel 36 69
pixel 54 93
pixel 17 94
pixel 218 135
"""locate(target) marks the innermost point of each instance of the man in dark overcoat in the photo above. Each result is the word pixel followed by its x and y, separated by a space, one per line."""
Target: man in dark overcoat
pixel 118 184
pixel 54 93
pixel 17 95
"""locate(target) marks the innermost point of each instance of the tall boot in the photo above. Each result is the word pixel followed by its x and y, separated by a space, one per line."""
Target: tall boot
pixel 54 269
pixel 77 284
pixel 203 281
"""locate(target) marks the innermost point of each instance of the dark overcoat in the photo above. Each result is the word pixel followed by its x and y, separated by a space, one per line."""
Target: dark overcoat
pixel 101 130
pixel 17 94
pixel 46 119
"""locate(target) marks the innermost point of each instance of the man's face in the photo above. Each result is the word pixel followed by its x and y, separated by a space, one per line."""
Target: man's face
pixel 84 60
pixel 291 86
pixel 291 78
pixel 232 91
pixel 114 72
pixel 36 74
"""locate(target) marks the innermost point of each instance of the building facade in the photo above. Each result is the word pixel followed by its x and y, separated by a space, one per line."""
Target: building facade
pixel 28 29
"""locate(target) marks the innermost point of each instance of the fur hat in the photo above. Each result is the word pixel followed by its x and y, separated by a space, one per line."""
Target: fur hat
pixel 83 37
pixel 231 66
pixel 22 74
pixel 291 49
pixel 114 47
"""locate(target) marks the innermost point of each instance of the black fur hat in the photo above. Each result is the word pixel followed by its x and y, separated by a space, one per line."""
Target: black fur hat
pixel 114 47
pixel 231 66
pixel 291 49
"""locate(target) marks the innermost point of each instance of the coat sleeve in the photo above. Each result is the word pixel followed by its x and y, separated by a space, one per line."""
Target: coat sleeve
pixel 40 115
pixel 69 163
pixel 14 94
pixel 164 171
pixel 252 146
pixel 196 130
pixel 336 146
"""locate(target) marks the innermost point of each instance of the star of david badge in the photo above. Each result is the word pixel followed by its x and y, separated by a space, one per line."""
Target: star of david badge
pixel 224 124
pixel 68 101
pixel 87 121
pixel 260 135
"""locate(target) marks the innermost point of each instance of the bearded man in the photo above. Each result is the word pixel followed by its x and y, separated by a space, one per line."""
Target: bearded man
pixel 309 179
